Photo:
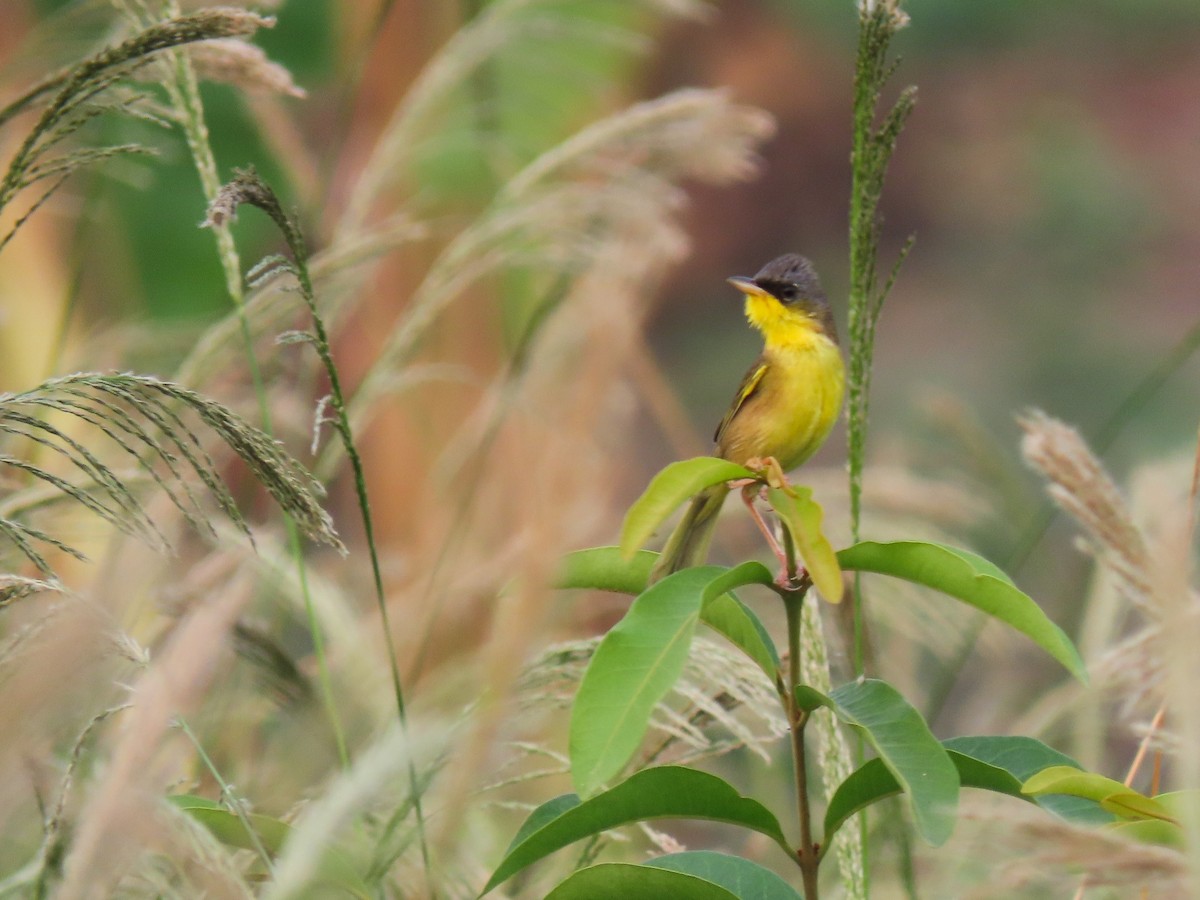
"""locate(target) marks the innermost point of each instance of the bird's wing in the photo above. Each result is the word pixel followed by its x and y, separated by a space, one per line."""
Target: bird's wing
pixel 750 384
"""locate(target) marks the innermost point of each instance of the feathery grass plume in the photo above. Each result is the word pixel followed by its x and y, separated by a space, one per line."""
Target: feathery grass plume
pixel 721 703
pixel 143 420
pixel 243 66
pixel 872 149
pixel 613 176
pixel 1081 487
pixel 496 27
pixel 1033 852
pixel 368 787
pixel 248 188
pixel 1179 606
pixel 55 842
pixel 1139 666
pixel 119 819
pixel 15 587
pixel 74 100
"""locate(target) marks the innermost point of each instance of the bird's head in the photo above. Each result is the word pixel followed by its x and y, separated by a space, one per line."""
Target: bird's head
pixel 785 301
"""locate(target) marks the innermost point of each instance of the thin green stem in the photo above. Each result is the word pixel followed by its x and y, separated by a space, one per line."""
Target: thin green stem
pixel 248 188
pixel 324 679
pixel 871 149
pixel 227 795
pixel 807 854
pixel 184 93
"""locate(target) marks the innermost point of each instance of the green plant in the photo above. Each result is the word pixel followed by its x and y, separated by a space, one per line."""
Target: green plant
pixel 230 720
pixel 640 659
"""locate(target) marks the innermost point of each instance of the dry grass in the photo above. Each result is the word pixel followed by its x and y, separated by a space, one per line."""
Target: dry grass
pixel 487 458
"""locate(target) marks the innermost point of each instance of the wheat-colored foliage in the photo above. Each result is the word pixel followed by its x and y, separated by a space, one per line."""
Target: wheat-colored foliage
pixel 145 422
pixel 1142 650
pixel 1080 485
pixel 1004 848
pixel 594 220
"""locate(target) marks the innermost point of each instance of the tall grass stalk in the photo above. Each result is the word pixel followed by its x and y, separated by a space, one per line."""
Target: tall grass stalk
pixel 75 101
pixel 1137 399
pixel 183 91
pixel 248 188
pixel 871 150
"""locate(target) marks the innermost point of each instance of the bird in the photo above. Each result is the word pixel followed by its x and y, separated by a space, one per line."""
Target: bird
pixel 787 402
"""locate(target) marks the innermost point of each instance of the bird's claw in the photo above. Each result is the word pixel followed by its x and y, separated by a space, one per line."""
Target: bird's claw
pixel 792 583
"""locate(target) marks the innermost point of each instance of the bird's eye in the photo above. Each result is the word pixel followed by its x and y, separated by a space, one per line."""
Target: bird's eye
pixel 789 294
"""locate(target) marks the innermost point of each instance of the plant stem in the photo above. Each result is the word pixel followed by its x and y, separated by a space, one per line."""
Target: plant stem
pixel 806 854
pixel 184 92
pixel 247 187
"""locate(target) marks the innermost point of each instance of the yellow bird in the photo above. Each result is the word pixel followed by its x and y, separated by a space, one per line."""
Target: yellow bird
pixel 788 401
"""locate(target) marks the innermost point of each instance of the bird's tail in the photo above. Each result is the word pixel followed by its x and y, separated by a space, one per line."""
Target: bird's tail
pixel 688 543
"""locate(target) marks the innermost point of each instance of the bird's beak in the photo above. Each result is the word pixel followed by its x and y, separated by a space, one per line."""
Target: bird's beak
pixel 747 286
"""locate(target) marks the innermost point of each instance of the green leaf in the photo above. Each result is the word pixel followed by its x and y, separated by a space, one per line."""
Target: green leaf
pixel 1019 758
pixel 869 783
pixel 634 666
pixel 676 483
pixel 605 569
pixel 1178 803
pixel 660 792
pixel 991 763
pixel 971 579
pixel 1157 830
pixel 1072 780
pixel 229 829
pixel 1129 804
pixel 802 515
pixel 730 617
pixel 633 882
pixel 335 871
pixel 747 573
pixel 1112 796
pixel 809 698
pixel 541 816
pixel 744 878
pixel 722 611
pixel 1152 831
pixel 909 750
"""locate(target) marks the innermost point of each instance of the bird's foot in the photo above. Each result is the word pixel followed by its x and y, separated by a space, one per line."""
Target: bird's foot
pixel 769 470
pixel 750 493
pixel 800 581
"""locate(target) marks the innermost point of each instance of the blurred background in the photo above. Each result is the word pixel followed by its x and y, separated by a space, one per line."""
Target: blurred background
pixel 1049 176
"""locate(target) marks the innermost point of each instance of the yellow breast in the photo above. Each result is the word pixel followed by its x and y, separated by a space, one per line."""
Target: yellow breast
pixel 797 400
